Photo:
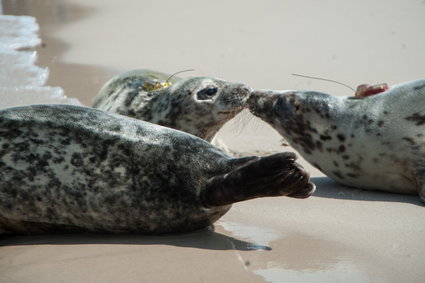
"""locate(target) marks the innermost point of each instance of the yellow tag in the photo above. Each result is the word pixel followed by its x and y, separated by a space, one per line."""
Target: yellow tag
pixel 155 85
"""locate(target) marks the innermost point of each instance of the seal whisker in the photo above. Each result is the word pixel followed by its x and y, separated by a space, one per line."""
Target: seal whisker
pixel 323 79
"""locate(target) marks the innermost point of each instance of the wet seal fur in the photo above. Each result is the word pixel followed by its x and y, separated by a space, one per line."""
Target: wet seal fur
pixel 73 169
pixel 197 105
pixel 377 142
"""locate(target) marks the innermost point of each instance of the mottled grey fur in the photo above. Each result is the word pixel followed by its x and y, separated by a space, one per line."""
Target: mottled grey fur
pixel 177 106
pixel 73 169
pixel 377 142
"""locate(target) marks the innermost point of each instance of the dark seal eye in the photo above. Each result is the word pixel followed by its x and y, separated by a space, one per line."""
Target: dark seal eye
pixel 206 93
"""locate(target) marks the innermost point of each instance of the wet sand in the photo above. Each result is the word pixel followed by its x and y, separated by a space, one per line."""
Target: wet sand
pixel 338 234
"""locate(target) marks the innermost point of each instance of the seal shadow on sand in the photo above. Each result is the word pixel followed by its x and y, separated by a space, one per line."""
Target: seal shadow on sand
pixel 328 188
pixel 203 239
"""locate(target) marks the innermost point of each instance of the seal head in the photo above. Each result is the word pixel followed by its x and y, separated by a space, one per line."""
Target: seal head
pixel 198 105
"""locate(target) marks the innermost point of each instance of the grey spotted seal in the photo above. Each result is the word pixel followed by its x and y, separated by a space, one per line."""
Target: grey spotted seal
pixel 66 168
pixel 196 105
pixel 376 142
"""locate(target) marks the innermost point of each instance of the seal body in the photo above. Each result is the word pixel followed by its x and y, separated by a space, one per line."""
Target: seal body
pixel 198 105
pixel 65 168
pixel 377 142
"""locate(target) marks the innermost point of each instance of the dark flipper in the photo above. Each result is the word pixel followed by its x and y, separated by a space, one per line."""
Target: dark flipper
pixel 274 175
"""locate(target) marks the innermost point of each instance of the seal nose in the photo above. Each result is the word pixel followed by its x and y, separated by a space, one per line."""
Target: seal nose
pixel 245 90
pixel 259 103
pixel 253 98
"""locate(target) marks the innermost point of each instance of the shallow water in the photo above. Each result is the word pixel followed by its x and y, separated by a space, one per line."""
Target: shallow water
pixel 22 82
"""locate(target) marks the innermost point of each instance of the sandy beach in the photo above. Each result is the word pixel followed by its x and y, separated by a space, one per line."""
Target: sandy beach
pixel 339 234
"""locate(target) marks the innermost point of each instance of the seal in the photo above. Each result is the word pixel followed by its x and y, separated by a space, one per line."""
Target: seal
pixel 376 142
pixel 197 105
pixel 67 168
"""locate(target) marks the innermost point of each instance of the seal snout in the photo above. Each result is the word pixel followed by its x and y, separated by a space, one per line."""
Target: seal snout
pixel 260 102
pixel 269 105
pixel 244 93
pixel 233 99
pixel 244 90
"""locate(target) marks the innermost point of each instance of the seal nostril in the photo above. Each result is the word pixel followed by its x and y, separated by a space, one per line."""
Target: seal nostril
pixel 246 89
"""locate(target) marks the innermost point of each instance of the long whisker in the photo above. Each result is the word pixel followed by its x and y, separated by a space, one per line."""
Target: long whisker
pixel 322 79
pixel 169 78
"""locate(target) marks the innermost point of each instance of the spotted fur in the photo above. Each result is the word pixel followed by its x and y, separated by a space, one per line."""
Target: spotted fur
pixel 75 169
pixel 376 142
pixel 179 106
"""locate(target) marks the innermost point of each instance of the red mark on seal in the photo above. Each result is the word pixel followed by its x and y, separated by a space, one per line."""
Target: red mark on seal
pixel 369 90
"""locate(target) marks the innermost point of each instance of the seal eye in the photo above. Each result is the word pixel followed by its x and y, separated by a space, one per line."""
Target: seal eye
pixel 206 93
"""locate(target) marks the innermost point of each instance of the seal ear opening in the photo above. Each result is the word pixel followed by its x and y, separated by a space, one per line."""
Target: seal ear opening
pixel 274 175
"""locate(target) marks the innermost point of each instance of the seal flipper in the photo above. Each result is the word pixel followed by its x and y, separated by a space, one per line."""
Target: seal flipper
pixel 274 175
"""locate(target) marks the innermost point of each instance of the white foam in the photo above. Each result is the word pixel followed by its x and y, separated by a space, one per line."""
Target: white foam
pixel 18 32
pixel 21 81
pixel 19 69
